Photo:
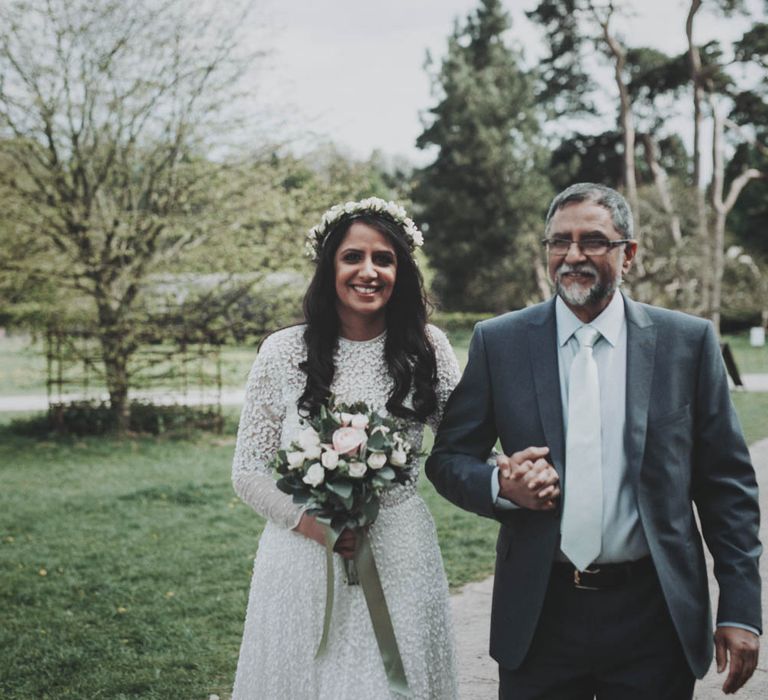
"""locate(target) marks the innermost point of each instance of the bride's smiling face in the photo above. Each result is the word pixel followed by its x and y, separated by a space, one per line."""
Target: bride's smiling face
pixel 366 269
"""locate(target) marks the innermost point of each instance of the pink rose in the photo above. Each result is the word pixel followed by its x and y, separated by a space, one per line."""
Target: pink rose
pixel 347 441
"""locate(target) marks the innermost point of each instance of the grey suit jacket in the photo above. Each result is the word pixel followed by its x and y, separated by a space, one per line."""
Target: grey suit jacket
pixel 683 444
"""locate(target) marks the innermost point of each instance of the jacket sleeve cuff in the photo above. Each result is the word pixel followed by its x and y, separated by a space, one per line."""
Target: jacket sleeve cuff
pixel 498 502
pixel 749 628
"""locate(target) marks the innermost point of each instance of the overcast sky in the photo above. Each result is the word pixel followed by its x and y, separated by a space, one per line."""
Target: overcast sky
pixel 352 71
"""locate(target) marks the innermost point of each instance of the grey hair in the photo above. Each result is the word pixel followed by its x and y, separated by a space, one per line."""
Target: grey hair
pixel 606 197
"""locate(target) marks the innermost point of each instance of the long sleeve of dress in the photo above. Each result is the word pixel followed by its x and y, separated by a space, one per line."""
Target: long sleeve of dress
pixel 258 438
pixel 448 373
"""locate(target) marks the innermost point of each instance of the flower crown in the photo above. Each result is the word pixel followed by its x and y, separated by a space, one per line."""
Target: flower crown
pixel 317 235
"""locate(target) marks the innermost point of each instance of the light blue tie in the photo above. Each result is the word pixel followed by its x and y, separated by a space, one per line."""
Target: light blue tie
pixel 581 526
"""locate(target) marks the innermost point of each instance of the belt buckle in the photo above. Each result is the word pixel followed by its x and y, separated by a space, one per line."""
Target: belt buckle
pixel 577 579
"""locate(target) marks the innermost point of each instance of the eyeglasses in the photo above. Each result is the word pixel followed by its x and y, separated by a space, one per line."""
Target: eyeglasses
pixel 559 247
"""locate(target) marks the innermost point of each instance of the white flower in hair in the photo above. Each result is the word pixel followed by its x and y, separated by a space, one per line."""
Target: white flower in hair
pixel 317 234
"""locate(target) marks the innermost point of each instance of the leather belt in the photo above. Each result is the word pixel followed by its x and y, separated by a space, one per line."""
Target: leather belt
pixel 599 577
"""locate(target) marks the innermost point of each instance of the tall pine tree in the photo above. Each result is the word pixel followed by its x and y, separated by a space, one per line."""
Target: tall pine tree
pixel 483 197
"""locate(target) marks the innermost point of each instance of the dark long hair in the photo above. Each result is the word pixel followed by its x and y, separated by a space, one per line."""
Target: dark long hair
pixel 408 351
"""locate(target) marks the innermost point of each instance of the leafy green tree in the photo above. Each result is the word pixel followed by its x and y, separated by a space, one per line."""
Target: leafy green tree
pixel 106 112
pixel 483 197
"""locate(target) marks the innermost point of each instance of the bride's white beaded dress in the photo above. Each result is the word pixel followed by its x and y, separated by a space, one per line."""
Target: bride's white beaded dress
pixel 286 604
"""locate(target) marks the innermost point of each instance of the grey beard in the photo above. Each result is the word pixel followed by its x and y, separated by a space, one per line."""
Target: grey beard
pixel 581 296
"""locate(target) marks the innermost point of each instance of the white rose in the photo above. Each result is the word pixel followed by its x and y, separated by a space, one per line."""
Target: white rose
pixel 313 452
pixel 357 469
pixel 315 475
pixel 377 460
pixel 330 459
pixel 346 418
pixel 359 421
pixel 398 458
pixel 308 438
pixel 295 459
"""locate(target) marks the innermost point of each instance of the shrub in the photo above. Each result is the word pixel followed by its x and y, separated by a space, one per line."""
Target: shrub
pixel 81 418
pixel 454 321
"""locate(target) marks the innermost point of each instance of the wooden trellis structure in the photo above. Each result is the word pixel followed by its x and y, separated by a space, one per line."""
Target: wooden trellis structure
pixel 181 366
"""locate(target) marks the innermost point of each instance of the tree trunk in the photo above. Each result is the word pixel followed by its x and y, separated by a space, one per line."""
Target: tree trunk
pixel 117 383
pixel 702 229
pixel 722 207
pixel 661 180
pixel 626 125
pixel 117 346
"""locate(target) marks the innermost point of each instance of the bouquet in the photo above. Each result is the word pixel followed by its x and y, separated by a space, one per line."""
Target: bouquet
pixel 341 462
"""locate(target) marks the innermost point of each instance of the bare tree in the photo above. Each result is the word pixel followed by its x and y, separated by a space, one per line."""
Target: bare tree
pixel 712 236
pixel 722 206
pixel 108 111
pixel 617 54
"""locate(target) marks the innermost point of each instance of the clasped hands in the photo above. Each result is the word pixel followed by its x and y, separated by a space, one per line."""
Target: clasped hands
pixel 528 480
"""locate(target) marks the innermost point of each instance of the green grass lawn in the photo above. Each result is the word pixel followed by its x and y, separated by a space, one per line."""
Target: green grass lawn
pixel 749 360
pixel 22 366
pixel 125 566
pixel 753 414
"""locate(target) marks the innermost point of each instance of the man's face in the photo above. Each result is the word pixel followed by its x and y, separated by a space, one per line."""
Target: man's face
pixel 585 282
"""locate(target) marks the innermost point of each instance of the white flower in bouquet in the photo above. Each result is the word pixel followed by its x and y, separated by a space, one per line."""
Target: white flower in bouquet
pixel 345 418
pixel 357 469
pixel 308 438
pixel 377 460
pixel 399 457
pixel 315 475
pixel 359 421
pixel 313 452
pixel 348 441
pixel 295 459
pixel 330 459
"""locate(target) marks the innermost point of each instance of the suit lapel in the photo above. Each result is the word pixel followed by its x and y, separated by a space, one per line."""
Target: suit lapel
pixel 641 351
pixel 542 339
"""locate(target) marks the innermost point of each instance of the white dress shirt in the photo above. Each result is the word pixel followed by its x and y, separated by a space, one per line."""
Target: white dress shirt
pixel 622 537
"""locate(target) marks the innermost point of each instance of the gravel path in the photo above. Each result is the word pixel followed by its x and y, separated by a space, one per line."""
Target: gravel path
pixel 472 609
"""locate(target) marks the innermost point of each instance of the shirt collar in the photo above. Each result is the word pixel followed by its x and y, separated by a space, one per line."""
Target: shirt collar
pixel 609 323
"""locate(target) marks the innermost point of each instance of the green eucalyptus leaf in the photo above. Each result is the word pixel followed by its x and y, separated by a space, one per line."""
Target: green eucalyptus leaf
pixel 370 510
pixel 377 442
pixel 386 472
pixel 340 488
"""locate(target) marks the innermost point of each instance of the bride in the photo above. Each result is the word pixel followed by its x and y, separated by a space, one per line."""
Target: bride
pixel 365 339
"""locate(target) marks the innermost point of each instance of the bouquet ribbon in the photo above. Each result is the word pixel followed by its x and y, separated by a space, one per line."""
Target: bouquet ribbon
pixel 377 607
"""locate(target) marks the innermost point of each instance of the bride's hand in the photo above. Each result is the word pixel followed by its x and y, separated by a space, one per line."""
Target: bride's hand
pixel 309 527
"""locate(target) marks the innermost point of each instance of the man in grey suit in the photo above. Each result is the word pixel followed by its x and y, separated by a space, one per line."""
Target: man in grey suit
pixel 601 590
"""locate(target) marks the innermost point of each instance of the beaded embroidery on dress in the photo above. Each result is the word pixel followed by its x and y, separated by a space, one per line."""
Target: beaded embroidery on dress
pixel 287 596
